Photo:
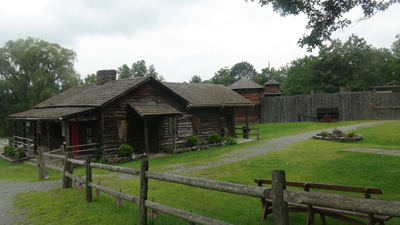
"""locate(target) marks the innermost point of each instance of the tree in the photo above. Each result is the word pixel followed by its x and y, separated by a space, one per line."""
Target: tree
pixel 90 79
pixel 271 73
pixel 124 72
pixel 325 16
pixel 299 76
pixel 139 69
pixel 31 71
pixel 242 70
pixel 195 79
pixel 222 76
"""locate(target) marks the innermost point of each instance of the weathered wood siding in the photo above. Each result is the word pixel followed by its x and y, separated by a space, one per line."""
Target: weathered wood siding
pixel 255 96
pixel 119 110
pixel 352 106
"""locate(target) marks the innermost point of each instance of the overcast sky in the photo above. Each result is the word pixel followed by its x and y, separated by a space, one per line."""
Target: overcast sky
pixel 181 38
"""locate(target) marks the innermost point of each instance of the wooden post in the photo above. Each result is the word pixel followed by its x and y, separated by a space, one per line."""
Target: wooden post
pixel 280 207
pixel 24 133
pixel 35 137
pixel 15 129
pixel 88 179
pixel 68 167
pixel 143 192
pixel 41 162
pixel 247 122
pixel 146 136
pixel 174 133
pixel 48 135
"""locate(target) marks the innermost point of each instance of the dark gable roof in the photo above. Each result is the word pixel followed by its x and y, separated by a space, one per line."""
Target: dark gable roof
pixel 201 95
pixel 82 99
pixel 244 83
pixel 92 95
pixel 272 81
pixel 51 113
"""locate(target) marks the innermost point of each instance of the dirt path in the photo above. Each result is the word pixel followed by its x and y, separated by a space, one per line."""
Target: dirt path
pixel 8 190
pixel 260 149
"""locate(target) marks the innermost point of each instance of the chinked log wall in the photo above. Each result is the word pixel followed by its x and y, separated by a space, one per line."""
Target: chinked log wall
pixel 352 106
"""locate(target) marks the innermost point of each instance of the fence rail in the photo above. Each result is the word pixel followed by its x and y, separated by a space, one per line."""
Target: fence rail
pixel 351 106
pixel 278 193
pixel 248 133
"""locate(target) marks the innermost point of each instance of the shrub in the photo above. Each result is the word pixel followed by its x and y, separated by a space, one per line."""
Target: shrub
pixel 192 141
pixel 98 153
pixel 324 133
pixel 351 134
pixel 9 150
pixel 230 140
pixel 214 138
pixel 124 150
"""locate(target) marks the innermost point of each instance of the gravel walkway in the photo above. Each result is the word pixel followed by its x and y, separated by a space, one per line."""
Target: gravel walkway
pixel 262 148
pixel 8 190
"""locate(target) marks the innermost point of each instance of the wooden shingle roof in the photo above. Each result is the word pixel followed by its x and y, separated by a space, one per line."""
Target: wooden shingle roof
pixel 149 109
pixel 244 83
pixel 202 95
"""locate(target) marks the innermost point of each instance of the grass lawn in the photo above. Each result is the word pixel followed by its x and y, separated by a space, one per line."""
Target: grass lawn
pixel 311 160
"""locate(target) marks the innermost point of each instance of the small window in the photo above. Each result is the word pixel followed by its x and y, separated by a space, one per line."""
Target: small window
pixel 122 130
pixel 196 125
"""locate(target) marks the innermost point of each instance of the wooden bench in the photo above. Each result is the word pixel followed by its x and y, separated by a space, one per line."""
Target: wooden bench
pixel 338 214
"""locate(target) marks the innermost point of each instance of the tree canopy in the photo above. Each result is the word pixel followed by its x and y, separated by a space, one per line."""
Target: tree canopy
pixel 31 71
pixel 195 79
pixel 325 16
pixel 138 69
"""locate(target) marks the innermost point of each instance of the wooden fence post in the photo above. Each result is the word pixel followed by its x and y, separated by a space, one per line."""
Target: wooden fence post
pixel 41 162
pixel 88 179
pixel 68 167
pixel 280 207
pixel 143 192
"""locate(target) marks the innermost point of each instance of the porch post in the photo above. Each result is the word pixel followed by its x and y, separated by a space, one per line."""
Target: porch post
pixel 146 137
pixel 48 135
pixel 174 133
pixel 24 133
pixel 247 122
pixel 15 130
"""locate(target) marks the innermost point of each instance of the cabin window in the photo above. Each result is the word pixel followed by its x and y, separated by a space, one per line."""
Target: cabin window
pixel 196 125
pixel 122 130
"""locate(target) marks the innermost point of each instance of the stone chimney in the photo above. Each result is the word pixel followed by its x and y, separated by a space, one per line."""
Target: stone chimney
pixel 105 76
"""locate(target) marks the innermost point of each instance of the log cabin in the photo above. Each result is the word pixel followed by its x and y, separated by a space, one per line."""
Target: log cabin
pixel 148 115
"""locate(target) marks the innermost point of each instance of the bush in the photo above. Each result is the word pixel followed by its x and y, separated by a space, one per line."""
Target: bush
pixel 230 140
pixel 124 150
pixel 192 141
pixel 9 150
pixel 214 138
pixel 351 134
pixel 98 153
pixel 324 133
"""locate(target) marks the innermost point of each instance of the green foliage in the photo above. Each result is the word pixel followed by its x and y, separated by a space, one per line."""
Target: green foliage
pixel 98 153
pixel 124 150
pixel 351 134
pixel 31 71
pixel 222 77
pixel 10 151
pixel 325 16
pixel 229 140
pixel 242 70
pixel 192 141
pixel 195 79
pixel 353 65
pixel 90 79
pixel 138 69
pixel 214 138
pixel 324 133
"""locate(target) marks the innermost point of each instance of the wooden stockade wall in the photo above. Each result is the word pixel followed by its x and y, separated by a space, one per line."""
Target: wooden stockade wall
pixel 352 106
pixel 278 193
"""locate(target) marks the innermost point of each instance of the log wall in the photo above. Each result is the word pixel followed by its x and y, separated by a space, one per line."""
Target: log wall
pixel 352 106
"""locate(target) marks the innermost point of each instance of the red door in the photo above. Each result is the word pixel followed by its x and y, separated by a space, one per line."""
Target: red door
pixel 74 136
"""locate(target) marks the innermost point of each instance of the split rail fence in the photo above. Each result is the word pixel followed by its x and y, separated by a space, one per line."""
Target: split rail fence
pixel 278 193
pixel 351 106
